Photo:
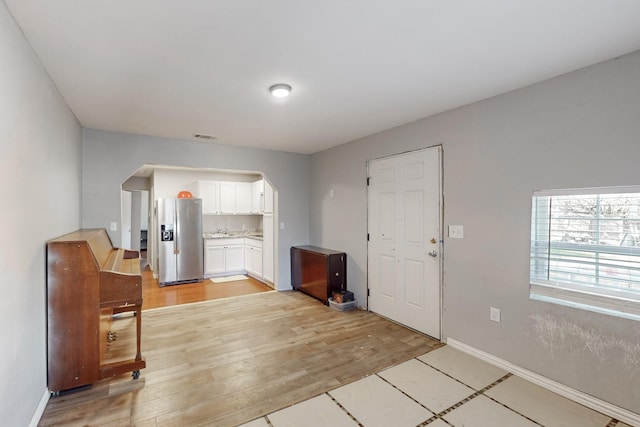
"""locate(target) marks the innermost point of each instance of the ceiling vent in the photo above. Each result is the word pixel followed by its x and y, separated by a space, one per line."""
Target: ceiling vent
pixel 203 137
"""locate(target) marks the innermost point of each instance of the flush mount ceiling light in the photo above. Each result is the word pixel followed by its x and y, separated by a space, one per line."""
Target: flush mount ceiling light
pixel 280 90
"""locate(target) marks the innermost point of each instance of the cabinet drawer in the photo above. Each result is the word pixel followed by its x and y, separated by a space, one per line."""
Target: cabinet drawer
pixel 253 242
pixel 224 242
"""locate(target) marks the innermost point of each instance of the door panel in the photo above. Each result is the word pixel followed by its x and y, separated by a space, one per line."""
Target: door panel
pixel 387 174
pixel 414 217
pixel 386 214
pixel 386 278
pixel 414 170
pixel 404 239
pixel 414 280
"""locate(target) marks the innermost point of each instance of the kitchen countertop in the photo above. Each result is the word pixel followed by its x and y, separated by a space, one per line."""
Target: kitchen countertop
pixel 232 235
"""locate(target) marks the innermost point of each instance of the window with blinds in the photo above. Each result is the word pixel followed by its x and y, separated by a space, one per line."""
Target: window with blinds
pixel 585 249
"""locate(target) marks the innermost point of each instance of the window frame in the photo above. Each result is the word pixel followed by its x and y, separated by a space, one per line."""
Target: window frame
pixel 610 301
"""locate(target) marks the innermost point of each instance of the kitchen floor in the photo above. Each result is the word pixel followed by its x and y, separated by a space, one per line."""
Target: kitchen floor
pixel 154 296
pixel 444 387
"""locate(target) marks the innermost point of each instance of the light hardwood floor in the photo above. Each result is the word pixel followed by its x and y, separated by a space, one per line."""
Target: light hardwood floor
pixel 154 296
pixel 228 361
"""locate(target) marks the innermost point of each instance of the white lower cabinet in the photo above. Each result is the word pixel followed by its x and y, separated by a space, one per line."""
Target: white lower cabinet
pixel 234 258
pixel 253 257
pixel 213 259
pixel 223 256
pixel 267 248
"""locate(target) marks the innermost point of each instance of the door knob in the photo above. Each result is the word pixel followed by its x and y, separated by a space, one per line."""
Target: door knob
pixel 433 254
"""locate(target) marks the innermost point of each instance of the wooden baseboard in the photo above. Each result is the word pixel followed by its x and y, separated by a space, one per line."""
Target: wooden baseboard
pixel 589 401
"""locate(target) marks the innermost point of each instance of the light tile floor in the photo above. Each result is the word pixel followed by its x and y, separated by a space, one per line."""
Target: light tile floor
pixel 442 388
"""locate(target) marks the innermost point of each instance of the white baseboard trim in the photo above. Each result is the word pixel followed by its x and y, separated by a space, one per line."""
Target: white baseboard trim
pixel 40 409
pixel 594 403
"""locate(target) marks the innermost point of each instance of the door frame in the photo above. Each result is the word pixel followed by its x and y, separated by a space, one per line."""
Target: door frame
pixel 441 231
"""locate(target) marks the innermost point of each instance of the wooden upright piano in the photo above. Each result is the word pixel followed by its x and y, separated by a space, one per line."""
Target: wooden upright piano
pixel 88 281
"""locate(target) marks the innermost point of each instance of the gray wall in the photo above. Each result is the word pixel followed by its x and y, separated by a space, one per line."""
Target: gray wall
pixel 577 130
pixel 109 158
pixel 40 152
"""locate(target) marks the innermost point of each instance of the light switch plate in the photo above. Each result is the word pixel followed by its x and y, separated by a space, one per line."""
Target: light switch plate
pixel 114 226
pixel 494 314
pixel 456 232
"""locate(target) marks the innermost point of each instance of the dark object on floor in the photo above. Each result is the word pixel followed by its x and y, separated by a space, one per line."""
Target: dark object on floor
pixel 342 296
pixel 318 272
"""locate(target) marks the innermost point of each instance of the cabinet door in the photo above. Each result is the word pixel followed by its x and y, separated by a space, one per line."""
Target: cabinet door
pixel 214 259
pixel 267 247
pixel 208 191
pixel 253 260
pixel 268 197
pixel 248 259
pixel 257 197
pixel 227 197
pixel 243 198
pixel 256 253
pixel 234 258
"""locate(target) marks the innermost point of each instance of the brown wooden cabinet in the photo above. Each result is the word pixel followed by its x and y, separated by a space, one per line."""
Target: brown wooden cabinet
pixel 88 281
pixel 318 271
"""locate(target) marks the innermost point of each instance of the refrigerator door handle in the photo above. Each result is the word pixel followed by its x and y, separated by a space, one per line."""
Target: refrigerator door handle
pixel 176 231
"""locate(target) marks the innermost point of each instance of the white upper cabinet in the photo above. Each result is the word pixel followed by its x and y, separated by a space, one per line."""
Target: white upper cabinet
pixel 257 197
pixel 227 197
pixel 209 192
pixel 235 197
pixel 268 197
pixel 230 197
pixel 243 197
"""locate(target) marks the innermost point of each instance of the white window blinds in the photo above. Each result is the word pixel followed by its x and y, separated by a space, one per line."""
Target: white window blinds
pixel 587 242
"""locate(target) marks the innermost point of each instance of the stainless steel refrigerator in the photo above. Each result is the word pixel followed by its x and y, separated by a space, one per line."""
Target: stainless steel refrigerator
pixel 180 251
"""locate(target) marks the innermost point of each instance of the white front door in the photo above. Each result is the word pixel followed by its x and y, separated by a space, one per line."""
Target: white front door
pixel 405 214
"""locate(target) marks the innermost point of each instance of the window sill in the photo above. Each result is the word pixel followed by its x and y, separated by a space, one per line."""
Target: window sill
pixel 617 307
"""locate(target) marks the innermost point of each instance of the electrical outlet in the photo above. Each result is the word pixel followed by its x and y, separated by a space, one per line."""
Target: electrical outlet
pixel 456 232
pixel 494 314
pixel 331 193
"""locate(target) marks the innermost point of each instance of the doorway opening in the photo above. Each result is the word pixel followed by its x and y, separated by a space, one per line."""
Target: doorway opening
pixel 255 217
